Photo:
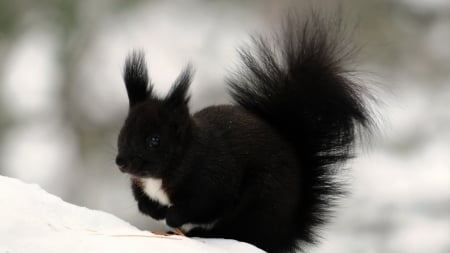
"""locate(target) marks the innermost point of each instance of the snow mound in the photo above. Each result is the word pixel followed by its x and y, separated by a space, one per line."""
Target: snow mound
pixel 33 220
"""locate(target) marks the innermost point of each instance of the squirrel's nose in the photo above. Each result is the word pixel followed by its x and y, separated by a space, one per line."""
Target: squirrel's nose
pixel 121 163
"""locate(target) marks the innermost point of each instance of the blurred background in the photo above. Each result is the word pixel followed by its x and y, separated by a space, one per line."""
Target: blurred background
pixel 62 102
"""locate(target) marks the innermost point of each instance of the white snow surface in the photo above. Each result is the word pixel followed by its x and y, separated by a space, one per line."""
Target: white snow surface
pixel 32 220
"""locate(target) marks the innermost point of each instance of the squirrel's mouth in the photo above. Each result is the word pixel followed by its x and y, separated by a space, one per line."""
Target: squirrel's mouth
pixel 140 172
pixel 134 167
pixel 136 174
pixel 122 168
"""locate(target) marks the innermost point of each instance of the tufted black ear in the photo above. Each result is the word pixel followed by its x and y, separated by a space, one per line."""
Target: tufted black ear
pixel 178 94
pixel 136 78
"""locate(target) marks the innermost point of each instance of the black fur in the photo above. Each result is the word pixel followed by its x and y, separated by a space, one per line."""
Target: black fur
pixel 263 171
pixel 136 78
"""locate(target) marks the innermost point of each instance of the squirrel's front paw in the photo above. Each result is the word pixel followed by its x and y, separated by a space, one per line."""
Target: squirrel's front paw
pixel 157 212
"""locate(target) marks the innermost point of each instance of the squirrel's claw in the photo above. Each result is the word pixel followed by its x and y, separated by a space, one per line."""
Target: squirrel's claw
pixel 177 231
pixel 169 233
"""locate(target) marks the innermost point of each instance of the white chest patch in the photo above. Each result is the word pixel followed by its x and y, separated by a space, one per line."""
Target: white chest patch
pixel 153 188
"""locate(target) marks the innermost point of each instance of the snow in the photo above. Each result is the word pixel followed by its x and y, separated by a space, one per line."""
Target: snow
pixel 33 220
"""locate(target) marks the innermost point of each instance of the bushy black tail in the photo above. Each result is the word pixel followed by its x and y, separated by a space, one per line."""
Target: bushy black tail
pixel 298 83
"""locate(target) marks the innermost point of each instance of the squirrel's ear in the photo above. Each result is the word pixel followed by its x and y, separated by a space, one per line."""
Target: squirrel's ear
pixel 136 78
pixel 178 94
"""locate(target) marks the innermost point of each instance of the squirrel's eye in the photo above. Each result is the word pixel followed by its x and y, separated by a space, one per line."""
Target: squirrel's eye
pixel 154 142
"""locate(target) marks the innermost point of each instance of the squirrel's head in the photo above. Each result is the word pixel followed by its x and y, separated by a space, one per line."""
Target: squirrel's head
pixel 157 131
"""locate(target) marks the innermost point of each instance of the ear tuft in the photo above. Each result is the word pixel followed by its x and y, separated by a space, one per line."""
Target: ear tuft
pixel 178 94
pixel 136 78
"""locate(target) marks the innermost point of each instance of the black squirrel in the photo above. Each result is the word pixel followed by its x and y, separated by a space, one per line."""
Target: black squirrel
pixel 264 170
